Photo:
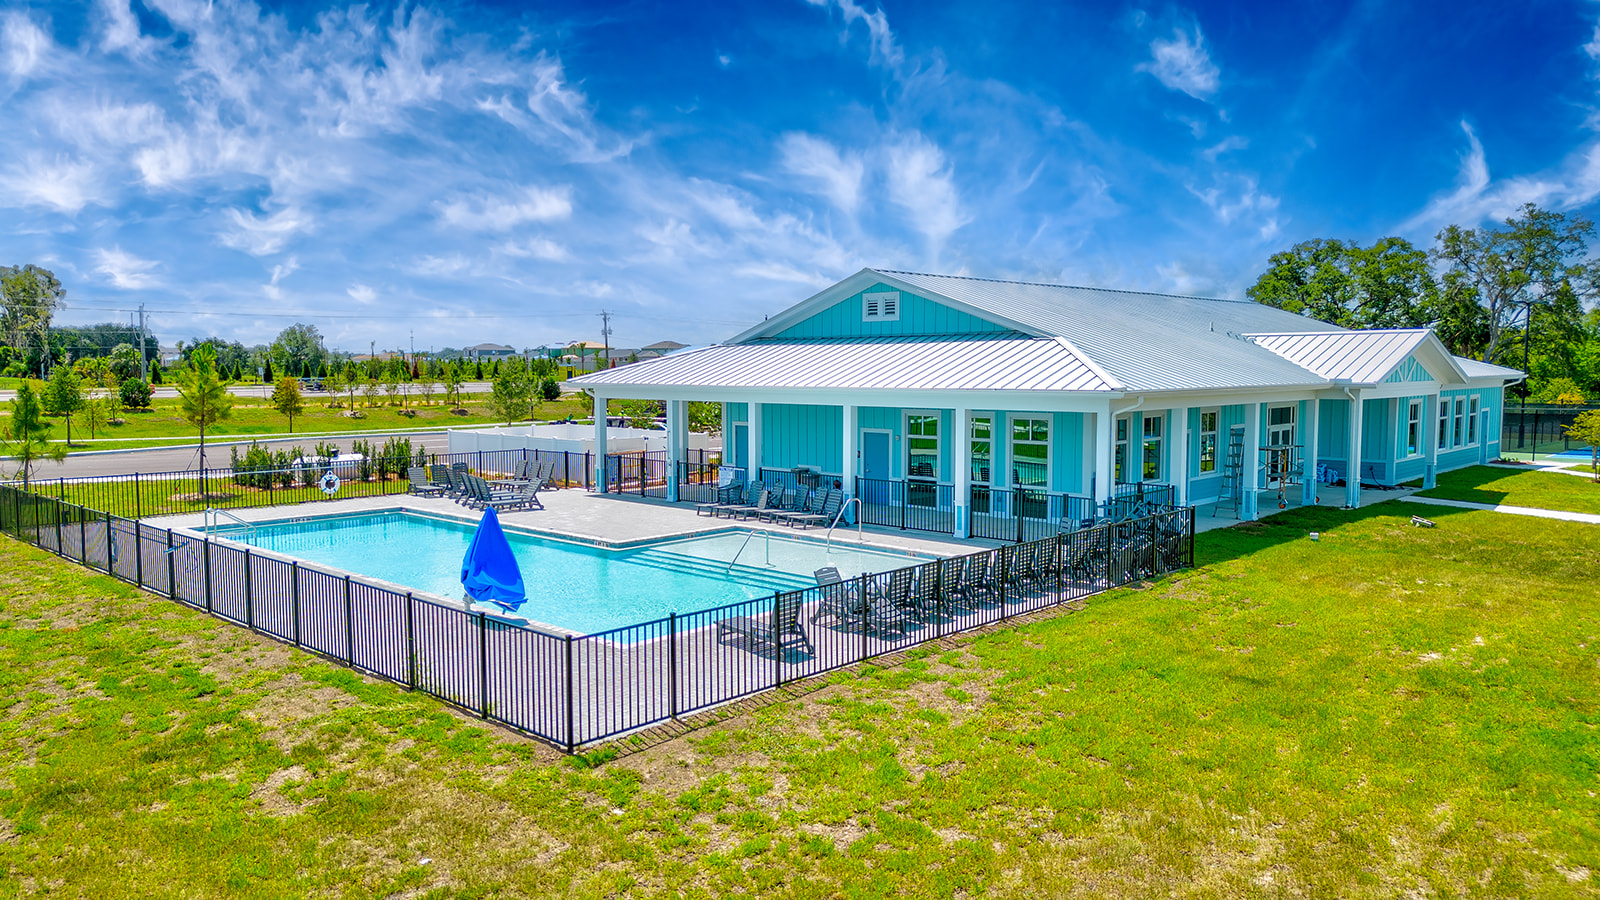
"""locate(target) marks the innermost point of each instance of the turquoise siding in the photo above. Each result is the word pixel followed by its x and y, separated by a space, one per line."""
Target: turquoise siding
pixel 793 435
pixel 1409 370
pixel 1066 453
pixel 1377 440
pixel 1203 488
pixel 1407 469
pixel 1333 434
pixel 918 316
pixel 890 420
pixel 736 412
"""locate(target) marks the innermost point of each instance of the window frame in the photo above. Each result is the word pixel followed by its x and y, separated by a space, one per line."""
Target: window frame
pixel 1031 441
pixel 1457 421
pixel 1444 423
pixel 1119 456
pixel 1413 430
pixel 1472 420
pixel 1293 425
pixel 1204 453
pixel 923 415
pixel 1158 441
pixel 987 457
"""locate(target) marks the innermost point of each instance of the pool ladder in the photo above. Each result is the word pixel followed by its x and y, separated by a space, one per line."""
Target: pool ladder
pixel 213 520
pixel 860 511
pixel 746 543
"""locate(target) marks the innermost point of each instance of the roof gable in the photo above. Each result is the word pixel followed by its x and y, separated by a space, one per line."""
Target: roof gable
pixel 1367 357
pixel 912 315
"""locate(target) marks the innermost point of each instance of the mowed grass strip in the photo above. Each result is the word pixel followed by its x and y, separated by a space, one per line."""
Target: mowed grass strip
pixel 1389 710
pixel 1540 490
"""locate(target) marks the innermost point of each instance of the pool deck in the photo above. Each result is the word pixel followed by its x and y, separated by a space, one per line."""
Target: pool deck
pixel 606 519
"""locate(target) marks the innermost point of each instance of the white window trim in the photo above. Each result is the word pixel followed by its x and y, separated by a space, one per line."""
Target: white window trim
pixel 1472 436
pixel 880 306
pixel 1422 433
pixel 972 425
pixel 1160 440
pixel 1216 442
pixel 1458 424
pixel 1127 449
pixel 938 440
pixel 1442 436
pixel 1011 446
pixel 1294 421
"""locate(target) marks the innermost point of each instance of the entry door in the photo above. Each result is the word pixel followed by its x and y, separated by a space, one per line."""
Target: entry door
pixel 875 465
pixel 741 448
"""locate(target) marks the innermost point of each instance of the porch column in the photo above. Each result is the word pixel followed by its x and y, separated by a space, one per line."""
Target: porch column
pixel 848 466
pixel 1104 438
pixel 963 479
pixel 600 441
pixel 1180 455
pixel 1252 462
pixel 1352 479
pixel 755 439
pixel 677 444
pixel 1308 462
pixel 1428 433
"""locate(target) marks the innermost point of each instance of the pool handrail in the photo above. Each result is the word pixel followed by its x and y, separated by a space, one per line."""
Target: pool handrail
pixel 212 513
pixel 753 532
pixel 860 512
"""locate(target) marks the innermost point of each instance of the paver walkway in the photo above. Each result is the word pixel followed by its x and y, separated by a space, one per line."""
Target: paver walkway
pixel 1590 518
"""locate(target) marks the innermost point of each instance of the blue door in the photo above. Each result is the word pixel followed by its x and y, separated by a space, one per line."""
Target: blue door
pixel 875 466
pixel 741 448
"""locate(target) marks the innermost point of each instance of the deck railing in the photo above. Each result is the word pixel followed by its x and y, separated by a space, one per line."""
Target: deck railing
pixel 574 690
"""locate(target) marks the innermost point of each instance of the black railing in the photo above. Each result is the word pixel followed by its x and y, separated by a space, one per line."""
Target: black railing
pixel 1539 429
pixel 1138 498
pixel 573 690
pixel 908 505
pixel 644 473
pixel 1025 514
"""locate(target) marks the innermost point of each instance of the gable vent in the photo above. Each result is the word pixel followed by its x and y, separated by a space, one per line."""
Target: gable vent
pixel 881 306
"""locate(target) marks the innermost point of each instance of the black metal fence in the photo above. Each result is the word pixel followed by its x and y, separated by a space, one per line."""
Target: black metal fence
pixel 644 472
pixel 1540 429
pixel 573 690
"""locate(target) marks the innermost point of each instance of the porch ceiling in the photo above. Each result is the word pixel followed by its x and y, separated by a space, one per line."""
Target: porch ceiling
pixel 1017 364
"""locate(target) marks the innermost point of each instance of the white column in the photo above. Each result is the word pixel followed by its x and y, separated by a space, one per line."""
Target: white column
pixel 600 441
pixel 755 439
pixel 1252 462
pixel 963 479
pixel 1308 477
pixel 677 443
pixel 1429 428
pixel 1105 438
pixel 1179 455
pixel 1352 479
pixel 848 460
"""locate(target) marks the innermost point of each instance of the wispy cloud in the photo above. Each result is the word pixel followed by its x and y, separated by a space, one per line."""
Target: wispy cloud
pixel 923 184
pixel 263 235
pixel 24 44
pixel 497 212
pixel 885 50
pixel 64 184
pixel 124 270
pixel 837 174
pixel 1183 64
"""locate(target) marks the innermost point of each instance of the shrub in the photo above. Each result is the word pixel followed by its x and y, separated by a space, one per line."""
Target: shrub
pixel 135 394
pixel 309 473
pixel 365 464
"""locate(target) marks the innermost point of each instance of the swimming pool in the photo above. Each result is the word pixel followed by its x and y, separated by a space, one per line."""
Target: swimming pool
pixel 577 586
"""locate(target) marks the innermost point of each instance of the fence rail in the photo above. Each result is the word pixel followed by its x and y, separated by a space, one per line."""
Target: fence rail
pixel 573 690
pixel 1539 430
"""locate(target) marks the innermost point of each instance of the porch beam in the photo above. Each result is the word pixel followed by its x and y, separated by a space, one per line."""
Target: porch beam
pixel 1429 435
pixel 1252 462
pixel 1179 476
pixel 848 462
pixel 963 473
pixel 1104 440
pixel 600 401
pixel 1308 460
pixel 1352 479
pixel 754 433
pixel 677 443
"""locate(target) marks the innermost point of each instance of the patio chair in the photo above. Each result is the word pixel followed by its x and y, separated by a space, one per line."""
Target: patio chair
pixel 817 510
pixel 728 495
pixel 778 629
pixel 420 485
pixel 439 476
pixel 972 583
pixel 756 498
pixel 839 598
pixel 483 496
pixel 789 502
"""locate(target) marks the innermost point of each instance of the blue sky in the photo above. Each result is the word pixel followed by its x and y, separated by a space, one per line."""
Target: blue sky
pixel 450 174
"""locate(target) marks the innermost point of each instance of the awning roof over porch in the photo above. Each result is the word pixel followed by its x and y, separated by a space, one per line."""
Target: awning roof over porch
pixel 1014 364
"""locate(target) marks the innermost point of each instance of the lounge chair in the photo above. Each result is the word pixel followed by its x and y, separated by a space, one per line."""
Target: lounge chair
pixel 970 583
pixel 813 511
pixel 777 629
pixel 483 496
pixel 840 598
pixel 727 495
pixel 420 485
pixel 789 502
pixel 439 476
pixel 759 499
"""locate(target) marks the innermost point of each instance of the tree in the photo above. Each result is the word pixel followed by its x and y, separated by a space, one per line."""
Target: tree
pixel 640 413
pixel 425 385
pixel 452 384
pixel 95 415
pixel 1586 428
pixel 286 398
pixel 135 394
pixel 369 389
pixel 64 396
pixel 29 297
pixel 391 384
pixel 1387 285
pixel 1512 270
pixel 203 399
pixel 511 398
pixel 705 417
pixel 113 398
pixel 26 438
pixel 334 382
pixel 266 371
pixel 549 389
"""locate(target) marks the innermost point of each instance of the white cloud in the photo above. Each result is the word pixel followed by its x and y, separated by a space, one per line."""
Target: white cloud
pixel 24 45
pixel 361 293
pixel 535 248
pixel 285 269
pixel 120 29
pixel 66 185
pixel 885 51
pixel 922 183
pixel 839 174
pixel 1183 64
pixel 497 212
pixel 263 236
pixel 432 266
pixel 125 270
pixel 1233 142
pixel 1238 199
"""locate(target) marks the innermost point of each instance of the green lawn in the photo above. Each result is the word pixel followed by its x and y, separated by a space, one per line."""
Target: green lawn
pixel 1388 711
pixel 163 425
pixel 1540 490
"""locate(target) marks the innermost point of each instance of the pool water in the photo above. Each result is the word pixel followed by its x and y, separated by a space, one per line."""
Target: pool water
pixel 581 587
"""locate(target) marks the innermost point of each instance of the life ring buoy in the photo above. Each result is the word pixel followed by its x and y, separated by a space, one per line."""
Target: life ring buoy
pixel 329 483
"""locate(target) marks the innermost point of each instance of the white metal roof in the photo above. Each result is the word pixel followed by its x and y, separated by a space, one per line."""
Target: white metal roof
pixel 965 364
pixel 1361 357
pixel 1476 369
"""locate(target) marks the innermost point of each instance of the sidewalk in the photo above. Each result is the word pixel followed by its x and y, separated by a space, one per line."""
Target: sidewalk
pixel 1590 518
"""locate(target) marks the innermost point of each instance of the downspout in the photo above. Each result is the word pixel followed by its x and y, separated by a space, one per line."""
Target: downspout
pixel 1355 410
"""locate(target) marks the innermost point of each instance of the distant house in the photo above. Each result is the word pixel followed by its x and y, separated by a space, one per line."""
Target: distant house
pixel 659 349
pixel 489 351
pixel 965 400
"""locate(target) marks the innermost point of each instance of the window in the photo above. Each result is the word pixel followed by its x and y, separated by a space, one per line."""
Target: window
pixel 982 449
pixel 1444 423
pixel 1121 466
pixel 1152 448
pixel 1472 421
pixel 1030 453
pixel 1456 430
pixel 883 306
pixel 1280 426
pixel 1208 440
pixel 1414 428
pixel 922 447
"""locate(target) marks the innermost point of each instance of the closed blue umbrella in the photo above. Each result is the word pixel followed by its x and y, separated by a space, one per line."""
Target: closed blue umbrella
pixel 489 571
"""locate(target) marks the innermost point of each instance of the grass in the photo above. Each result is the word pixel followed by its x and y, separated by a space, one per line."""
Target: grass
pixel 1387 711
pixel 162 425
pixel 1540 490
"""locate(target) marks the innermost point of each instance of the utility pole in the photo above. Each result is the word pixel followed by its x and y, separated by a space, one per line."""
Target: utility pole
pixel 144 371
pixel 605 338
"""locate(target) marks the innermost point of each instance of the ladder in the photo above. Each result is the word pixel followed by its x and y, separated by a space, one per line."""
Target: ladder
pixel 1232 473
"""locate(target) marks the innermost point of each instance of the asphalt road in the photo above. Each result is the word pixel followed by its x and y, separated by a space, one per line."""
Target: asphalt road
pixel 178 459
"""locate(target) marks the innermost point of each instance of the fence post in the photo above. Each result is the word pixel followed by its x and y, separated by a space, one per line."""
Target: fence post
pixel 1105 532
pixel 905 490
pixel 138 550
pixel 294 600
pixel 672 665
pixel 172 569
pixel 777 647
pixel 206 549
pixel 249 594
pixel 571 746
pixel 60 551
pixel 588 465
pixel 83 535
pixel 861 609
pixel 61 488
pixel 138 500
pixel 1020 497
pixel 483 665
pixel 349 627
pixel 411 645
pixel 1003 559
